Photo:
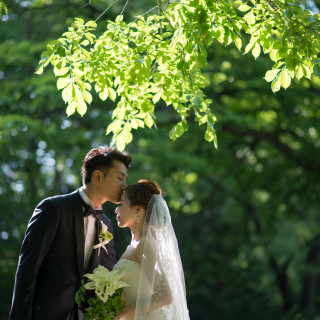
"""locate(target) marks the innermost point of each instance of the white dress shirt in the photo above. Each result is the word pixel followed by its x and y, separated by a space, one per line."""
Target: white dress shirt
pixel 89 231
pixel 89 235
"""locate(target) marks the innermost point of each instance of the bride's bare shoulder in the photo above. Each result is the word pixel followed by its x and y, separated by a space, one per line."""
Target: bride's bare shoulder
pixel 146 247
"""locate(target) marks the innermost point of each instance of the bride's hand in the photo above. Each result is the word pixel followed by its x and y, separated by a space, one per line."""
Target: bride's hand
pixel 127 312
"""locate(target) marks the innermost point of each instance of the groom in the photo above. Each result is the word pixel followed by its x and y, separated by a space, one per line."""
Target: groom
pixel 57 248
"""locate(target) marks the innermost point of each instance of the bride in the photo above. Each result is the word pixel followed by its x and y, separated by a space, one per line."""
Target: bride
pixel 151 263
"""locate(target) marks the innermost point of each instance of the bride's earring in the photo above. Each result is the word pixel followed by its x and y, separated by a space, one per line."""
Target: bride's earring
pixel 137 217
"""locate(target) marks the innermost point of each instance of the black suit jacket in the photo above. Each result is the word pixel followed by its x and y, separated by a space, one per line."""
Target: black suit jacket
pixel 51 262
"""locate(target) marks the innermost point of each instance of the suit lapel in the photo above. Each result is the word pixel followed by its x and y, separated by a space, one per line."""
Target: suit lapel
pixel 79 230
pixel 94 258
pixel 98 226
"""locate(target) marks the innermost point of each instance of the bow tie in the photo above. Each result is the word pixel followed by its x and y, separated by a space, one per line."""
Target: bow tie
pixel 90 211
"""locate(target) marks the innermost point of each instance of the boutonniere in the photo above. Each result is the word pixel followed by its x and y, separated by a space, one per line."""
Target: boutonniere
pixel 104 238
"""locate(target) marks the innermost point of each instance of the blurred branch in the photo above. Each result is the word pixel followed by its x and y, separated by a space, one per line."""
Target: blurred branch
pixel 283 280
pixel 309 281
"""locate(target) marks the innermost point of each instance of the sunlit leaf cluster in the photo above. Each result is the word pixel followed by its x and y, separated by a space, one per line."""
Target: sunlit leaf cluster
pixel 289 34
pixel 3 7
pixel 161 58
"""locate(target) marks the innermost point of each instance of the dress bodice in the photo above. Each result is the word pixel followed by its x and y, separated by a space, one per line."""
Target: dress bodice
pixel 131 270
pixel 132 274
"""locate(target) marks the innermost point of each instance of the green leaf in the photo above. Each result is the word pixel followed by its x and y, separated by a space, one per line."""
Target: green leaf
pixel 288 13
pixel 79 21
pixel 250 17
pixel 87 96
pixel 243 8
pixel 67 93
pixel 119 18
pixel 201 61
pixel 178 130
pixel 276 84
pixel 299 72
pixel 127 135
pixel 250 45
pixel 61 72
pixel 134 124
pixel 209 135
pixel 316 70
pixel 120 143
pixel 148 120
pixel 202 119
pixel 238 43
pixel 44 55
pixel 89 40
pixel 63 82
pixel 112 94
pixel 285 78
pixel 86 53
pixel 85 42
pixel 156 97
pixel 103 95
pixel 39 71
pixel 271 74
pixel 114 127
pixel 256 50
pixel 81 107
pixel 273 55
pixel 306 71
pixel 71 108
pixel 91 24
pixel 77 72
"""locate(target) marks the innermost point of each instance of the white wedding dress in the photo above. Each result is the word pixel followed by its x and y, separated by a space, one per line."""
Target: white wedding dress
pixel 156 285
pixel 132 273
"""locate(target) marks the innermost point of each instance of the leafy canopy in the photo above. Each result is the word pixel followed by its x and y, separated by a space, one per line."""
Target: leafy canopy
pixel 162 57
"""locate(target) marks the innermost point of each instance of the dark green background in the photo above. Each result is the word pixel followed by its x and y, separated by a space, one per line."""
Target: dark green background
pixel 246 215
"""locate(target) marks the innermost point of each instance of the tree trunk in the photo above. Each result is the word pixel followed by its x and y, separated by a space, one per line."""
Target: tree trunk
pixel 309 282
pixel 282 278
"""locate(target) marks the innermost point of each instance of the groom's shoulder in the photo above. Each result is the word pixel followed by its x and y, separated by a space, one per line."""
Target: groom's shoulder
pixel 60 199
pixel 53 205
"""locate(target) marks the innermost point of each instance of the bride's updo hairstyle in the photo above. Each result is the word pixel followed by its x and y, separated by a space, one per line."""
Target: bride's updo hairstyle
pixel 141 192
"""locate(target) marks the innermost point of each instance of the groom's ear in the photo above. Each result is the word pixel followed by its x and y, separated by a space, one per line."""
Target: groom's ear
pixel 97 176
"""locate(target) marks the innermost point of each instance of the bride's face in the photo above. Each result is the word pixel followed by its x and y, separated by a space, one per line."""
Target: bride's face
pixel 126 214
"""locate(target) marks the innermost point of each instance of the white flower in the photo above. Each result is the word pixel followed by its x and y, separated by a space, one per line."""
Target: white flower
pixel 104 282
pixel 104 228
pixel 104 238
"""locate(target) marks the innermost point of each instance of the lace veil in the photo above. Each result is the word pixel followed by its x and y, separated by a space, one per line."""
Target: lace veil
pixel 161 290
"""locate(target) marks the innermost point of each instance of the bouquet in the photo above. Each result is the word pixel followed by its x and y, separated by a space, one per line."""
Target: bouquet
pixel 100 298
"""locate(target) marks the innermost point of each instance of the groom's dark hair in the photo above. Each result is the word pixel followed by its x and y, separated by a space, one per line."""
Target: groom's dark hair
pixel 101 158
